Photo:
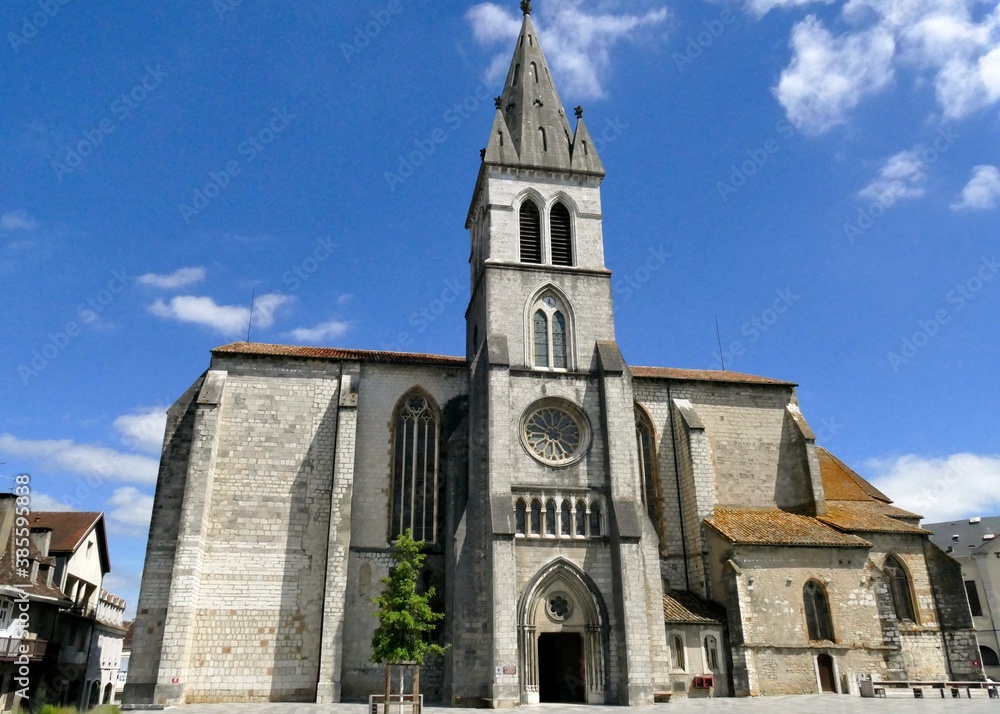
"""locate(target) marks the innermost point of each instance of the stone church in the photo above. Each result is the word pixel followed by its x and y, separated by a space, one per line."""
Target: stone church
pixel 597 532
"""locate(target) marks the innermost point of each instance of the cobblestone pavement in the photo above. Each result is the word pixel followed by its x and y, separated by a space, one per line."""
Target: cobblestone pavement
pixel 772 705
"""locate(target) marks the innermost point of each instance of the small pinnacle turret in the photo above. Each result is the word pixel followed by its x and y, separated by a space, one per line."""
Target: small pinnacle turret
pixel 526 7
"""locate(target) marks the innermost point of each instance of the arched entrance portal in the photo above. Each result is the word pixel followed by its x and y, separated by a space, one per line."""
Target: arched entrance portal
pixel 562 637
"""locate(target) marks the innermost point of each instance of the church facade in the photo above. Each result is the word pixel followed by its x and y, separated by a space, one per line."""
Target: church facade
pixel 597 532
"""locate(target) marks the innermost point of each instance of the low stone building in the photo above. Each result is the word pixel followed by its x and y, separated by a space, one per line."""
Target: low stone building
pixel 598 532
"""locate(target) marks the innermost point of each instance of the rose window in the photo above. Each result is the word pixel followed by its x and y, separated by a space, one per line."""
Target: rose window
pixel 553 435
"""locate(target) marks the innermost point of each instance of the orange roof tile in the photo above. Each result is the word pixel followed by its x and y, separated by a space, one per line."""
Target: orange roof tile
pixel 746 526
pixel 680 606
pixel 870 517
pixel 324 353
pixel 840 483
pixel 704 375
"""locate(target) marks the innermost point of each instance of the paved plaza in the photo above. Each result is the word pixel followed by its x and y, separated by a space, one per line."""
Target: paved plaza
pixel 772 705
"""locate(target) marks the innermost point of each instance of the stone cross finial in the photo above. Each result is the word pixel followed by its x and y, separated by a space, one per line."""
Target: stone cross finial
pixel 526 7
pixel 579 112
pixel 498 102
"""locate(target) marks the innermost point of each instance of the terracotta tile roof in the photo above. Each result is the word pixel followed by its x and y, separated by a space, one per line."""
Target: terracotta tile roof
pixel 704 375
pixel 324 353
pixel 682 607
pixel 9 576
pixel 840 483
pixel 859 517
pixel 773 527
pixel 69 528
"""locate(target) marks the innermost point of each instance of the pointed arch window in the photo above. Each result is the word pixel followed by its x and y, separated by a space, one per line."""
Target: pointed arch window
pixel 520 517
pixel 562 235
pixel 534 72
pixel 899 584
pixel 550 333
pixel 543 138
pixel 817 607
pixel 517 75
pixel 566 518
pixel 415 482
pixel 550 517
pixel 531 233
pixel 580 526
pixel 536 517
pixel 647 464
pixel 595 520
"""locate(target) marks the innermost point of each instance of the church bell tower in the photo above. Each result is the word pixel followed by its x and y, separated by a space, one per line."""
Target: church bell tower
pixel 550 516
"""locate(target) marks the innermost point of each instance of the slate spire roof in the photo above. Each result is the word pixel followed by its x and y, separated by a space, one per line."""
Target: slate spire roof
pixel 531 128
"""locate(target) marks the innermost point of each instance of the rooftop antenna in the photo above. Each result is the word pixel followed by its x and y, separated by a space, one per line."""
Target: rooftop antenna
pixel 253 297
pixel 718 334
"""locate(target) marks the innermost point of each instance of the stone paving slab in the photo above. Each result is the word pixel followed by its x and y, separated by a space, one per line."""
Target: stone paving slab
pixel 826 704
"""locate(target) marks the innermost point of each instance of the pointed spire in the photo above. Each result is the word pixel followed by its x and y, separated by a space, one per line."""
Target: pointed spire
pixel 585 156
pixel 532 129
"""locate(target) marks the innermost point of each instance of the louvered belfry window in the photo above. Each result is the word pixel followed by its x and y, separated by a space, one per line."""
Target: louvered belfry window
pixel 562 238
pixel 531 233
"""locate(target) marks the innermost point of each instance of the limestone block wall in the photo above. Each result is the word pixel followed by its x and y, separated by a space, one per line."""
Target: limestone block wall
pixel 257 631
pixel 948 587
pixel 583 198
pixel 505 294
pixel 154 594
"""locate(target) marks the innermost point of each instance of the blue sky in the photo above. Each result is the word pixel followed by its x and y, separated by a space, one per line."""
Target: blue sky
pixel 819 176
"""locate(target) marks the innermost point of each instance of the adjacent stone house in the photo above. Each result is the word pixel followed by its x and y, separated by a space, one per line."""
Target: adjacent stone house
pixel 599 532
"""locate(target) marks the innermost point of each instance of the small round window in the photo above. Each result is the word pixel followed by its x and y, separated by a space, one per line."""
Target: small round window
pixel 555 433
pixel 558 607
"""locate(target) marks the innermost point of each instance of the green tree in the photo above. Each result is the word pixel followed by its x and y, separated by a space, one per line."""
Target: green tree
pixel 405 616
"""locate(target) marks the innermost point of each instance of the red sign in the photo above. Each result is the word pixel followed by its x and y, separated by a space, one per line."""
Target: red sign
pixel 509 669
pixel 175 680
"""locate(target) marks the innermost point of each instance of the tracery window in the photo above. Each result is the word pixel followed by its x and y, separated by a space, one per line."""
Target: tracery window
pixel 817 608
pixel 677 652
pixel 647 463
pixel 550 333
pixel 531 232
pixel 899 584
pixel 712 653
pixel 415 484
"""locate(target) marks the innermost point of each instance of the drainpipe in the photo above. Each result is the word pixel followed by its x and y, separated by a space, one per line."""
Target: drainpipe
pixel 677 478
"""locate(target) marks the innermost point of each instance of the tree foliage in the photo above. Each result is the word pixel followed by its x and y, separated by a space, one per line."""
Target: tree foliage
pixel 406 618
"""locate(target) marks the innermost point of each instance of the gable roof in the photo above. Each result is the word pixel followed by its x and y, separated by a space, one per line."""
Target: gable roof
pixel 747 526
pixel 841 483
pixel 686 608
pixel 70 528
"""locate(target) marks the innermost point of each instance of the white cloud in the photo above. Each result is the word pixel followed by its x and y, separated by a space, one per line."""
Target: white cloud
pixel 829 76
pixel 903 176
pixel 576 40
pixel 43 502
pixel 942 489
pixel 143 430
pixel 129 511
pixel 982 192
pixel 324 331
pixel 230 320
pixel 177 279
pixel 952 45
pixel 762 7
pixel 82 459
pixel 17 221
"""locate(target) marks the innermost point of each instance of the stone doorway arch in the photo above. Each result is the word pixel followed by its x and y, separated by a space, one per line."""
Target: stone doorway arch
pixel 562 637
